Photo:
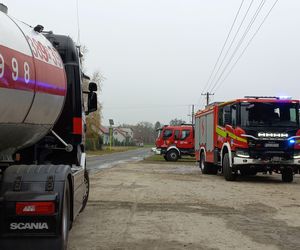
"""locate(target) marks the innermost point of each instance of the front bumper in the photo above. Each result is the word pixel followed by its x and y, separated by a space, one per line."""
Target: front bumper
pixel 157 151
pixel 251 161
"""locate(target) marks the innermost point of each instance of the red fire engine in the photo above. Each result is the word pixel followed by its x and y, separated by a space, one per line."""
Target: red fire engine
pixel 174 141
pixel 249 135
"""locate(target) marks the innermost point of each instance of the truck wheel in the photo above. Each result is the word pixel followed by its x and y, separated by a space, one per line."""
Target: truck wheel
pixel 207 168
pixel 227 170
pixel 172 155
pixel 287 175
pixel 87 190
pixel 65 218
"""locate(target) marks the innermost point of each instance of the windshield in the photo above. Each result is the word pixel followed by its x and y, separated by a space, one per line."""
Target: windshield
pixel 269 114
pixel 185 134
pixel 167 133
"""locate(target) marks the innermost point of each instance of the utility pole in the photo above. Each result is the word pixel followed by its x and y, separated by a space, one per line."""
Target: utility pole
pixel 111 123
pixel 207 94
pixel 193 113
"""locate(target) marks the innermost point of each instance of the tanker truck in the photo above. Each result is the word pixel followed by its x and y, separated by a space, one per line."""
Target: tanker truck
pixel 44 183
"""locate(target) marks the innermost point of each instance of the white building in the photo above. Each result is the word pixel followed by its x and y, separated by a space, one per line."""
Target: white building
pixel 123 135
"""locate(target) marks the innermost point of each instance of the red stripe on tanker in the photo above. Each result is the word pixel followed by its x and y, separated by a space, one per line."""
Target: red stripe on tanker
pixel 22 72
pixel 28 61
pixel 17 70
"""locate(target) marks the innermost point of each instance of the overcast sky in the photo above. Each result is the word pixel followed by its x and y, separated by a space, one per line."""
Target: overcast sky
pixel 157 55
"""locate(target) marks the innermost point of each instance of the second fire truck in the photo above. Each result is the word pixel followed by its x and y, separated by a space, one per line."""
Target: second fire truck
pixel 249 135
pixel 175 141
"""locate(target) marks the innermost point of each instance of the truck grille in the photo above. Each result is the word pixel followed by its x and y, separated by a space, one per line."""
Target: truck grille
pixel 268 149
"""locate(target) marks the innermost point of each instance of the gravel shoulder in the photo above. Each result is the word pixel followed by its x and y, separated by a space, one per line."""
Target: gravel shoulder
pixel 174 206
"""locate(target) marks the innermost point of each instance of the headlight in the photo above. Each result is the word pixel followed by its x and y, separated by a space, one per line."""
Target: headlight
pixel 297 154
pixel 242 153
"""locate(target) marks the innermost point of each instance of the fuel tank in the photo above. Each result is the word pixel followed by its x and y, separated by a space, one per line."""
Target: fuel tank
pixel 32 86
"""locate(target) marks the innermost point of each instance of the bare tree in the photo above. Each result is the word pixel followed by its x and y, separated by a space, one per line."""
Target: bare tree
pixel 93 120
pixel 176 122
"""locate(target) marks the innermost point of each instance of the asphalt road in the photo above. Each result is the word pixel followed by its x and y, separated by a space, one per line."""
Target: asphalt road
pixel 173 206
pixel 96 163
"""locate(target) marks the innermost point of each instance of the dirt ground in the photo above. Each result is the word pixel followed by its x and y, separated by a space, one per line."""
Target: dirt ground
pixel 173 206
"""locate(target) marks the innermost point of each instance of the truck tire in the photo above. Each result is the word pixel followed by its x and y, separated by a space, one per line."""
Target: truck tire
pixel 202 164
pixel 227 170
pixel 287 175
pixel 207 168
pixel 65 218
pixel 87 192
pixel 172 155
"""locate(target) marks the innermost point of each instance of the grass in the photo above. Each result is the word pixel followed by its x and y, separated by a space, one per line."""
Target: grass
pixel 160 159
pixel 116 149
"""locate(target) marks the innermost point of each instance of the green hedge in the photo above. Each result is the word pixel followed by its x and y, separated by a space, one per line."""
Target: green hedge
pixel 94 143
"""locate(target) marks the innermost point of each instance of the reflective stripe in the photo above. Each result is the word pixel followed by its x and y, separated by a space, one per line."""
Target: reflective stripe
pixel 223 133
pixel 241 139
pixel 235 137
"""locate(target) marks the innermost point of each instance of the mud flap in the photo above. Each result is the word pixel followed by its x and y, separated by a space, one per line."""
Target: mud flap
pixel 31 184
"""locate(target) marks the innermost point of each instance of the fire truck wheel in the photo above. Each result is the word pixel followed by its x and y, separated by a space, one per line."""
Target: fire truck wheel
pixel 227 170
pixel 207 168
pixel 172 155
pixel 203 166
pixel 65 218
pixel 287 175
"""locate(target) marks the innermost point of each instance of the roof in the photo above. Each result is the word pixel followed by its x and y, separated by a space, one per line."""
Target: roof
pixel 261 99
pixel 126 129
pixel 184 126
pixel 104 130
pixel 120 131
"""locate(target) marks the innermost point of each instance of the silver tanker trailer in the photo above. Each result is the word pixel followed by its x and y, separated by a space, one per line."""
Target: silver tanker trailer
pixel 44 184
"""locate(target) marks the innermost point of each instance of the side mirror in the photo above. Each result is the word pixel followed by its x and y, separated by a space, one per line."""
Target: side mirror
pixel 93 87
pixel 92 102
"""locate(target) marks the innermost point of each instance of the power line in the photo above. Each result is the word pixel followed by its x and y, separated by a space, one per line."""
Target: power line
pixel 240 42
pixel 220 54
pixel 243 52
pixel 232 42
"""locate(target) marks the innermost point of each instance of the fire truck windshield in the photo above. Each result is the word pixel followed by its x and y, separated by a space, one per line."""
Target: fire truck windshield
pixel 167 133
pixel 272 114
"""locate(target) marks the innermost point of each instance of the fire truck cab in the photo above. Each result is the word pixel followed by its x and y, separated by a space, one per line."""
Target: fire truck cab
pixel 174 141
pixel 249 135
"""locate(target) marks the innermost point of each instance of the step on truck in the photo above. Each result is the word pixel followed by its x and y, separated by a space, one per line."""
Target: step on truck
pixel 44 182
pixel 249 135
pixel 175 141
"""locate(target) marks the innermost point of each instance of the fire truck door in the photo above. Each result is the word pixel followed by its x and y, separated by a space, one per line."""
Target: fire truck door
pixel 186 138
pixel 207 134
